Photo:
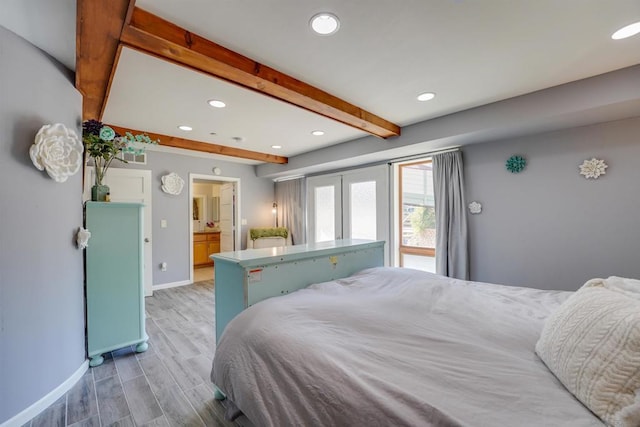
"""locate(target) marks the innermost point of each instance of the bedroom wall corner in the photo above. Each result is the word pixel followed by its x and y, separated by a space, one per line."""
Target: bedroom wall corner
pixel 41 272
pixel 548 227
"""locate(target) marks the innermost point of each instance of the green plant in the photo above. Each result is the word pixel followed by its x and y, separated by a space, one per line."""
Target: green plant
pixel 423 218
pixel 103 145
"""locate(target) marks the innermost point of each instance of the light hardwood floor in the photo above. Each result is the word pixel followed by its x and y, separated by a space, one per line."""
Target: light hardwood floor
pixel 168 385
pixel 202 274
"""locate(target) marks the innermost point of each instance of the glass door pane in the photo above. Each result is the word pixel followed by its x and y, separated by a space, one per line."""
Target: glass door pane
pixel 324 196
pixel 363 210
pixel 325 224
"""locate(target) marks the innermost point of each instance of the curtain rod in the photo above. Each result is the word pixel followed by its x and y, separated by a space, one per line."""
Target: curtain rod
pixel 381 162
pixel 287 178
pixel 423 155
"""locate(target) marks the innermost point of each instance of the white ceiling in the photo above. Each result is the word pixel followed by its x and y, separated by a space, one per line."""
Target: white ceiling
pixel 154 95
pixel 386 52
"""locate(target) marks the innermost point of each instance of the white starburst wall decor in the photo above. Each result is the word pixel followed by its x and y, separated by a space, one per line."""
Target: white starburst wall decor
pixel 475 207
pixel 593 168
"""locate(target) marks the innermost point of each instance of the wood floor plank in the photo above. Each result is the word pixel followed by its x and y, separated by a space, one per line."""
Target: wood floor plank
pixel 201 365
pixel 107 369
pixel 112 404
pixel 182 372
pixel 128 367
pixel 53 416
pixel 142 401
pixel 177 408
pixel 81 400
pixel 209 409
pixel 125 422
pixel 151 352
pixel 157 374
pixel 158 422
pixel 93 421
pixel 173 329
pixel 163 346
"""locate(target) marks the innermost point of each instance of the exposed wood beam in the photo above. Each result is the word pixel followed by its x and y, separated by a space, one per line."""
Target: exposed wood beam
pixel 99 24
pixel 166 40
pixel 172 141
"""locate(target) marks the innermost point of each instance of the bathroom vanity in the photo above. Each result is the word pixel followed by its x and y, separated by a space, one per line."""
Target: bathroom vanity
pixel 205 243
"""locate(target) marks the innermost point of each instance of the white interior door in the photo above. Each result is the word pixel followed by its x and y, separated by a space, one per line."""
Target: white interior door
pixel 227 217
pixel 130 186
pixel 324 195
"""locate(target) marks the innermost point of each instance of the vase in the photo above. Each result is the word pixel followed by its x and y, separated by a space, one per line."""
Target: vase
pixel 99 193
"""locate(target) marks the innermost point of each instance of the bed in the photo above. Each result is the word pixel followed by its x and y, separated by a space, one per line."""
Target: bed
pixel 396 347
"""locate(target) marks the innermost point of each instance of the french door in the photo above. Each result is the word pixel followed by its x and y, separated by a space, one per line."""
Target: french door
pixel 350 205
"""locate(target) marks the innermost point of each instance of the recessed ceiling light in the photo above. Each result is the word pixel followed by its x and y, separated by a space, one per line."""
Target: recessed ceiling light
pixel 185 128
pixel 317 133
pixel 427 96
pixel 276 147
pixel 325 23
pixel 628 31
pixel 216 103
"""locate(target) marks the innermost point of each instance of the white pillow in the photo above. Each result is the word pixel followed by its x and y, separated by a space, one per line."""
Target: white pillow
pixel 592 345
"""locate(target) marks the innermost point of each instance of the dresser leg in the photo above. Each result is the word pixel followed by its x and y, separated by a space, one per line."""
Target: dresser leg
pixel 96 360
pixel 218 394
pixel 142 347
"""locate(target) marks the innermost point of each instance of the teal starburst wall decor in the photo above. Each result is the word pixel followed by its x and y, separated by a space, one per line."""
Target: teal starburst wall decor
pixel 515 164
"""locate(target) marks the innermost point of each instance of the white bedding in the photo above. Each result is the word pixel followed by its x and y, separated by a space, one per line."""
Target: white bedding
pixel 396 347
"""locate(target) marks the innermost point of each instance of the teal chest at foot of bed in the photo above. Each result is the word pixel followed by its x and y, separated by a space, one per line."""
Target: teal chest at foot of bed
pixel 245 278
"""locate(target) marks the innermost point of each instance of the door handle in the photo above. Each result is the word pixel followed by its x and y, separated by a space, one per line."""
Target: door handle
pixel 146 240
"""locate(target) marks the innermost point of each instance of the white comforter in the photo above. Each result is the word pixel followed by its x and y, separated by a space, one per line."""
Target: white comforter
pixel 396 347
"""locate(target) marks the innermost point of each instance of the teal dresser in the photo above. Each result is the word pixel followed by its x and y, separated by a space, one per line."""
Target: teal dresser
pixel 244 278
pixel 115 283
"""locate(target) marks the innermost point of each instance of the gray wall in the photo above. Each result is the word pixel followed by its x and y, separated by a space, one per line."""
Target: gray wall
pixel 41 272
pixel 548 226
pixel 171 244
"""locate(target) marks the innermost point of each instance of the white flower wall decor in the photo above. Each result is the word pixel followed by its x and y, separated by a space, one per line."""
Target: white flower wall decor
pixel 593 168
pixel 172 183
pixel 82 238
pixel 58 150
pixel 475 207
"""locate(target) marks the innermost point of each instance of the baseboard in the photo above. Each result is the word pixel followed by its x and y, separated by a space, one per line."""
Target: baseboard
pixel 170 285
pixel 42 404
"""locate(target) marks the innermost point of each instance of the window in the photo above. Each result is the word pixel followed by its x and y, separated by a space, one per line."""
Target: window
pixel 417 216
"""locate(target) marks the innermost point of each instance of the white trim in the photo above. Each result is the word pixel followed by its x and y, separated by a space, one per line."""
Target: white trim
pixel 170 285
pixel 42 404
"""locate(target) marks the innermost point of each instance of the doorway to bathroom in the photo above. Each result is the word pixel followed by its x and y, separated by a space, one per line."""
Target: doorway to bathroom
pixel 214 212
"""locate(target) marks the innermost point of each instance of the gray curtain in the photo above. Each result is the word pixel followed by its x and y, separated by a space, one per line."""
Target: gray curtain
pixel 452 257
pixel 291 199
